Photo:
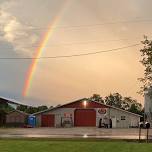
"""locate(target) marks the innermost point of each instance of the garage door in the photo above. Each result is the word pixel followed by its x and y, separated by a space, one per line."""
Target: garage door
pixel 47 120
pixel 85 117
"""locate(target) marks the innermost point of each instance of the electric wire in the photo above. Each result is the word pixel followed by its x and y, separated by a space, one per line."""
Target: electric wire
pixel 69 56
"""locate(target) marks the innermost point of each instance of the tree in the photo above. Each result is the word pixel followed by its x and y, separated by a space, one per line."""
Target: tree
pixel 133 105
pixel 136 108
pixel 5 107
pixel 97 98
pixel 42 108
pixel 125 103
pixel 22 108
pixel 147 63
pixel 30 109
pixel 114 100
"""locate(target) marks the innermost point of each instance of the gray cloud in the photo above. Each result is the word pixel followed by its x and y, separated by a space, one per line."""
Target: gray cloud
pixel 15 32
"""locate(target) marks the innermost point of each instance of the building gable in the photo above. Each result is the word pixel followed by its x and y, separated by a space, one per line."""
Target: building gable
pixel 83 104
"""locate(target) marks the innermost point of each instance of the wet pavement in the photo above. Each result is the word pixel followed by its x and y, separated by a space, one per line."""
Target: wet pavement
pixel 98 133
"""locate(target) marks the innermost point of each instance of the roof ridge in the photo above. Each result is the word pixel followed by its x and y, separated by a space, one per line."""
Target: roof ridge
pixel 82 99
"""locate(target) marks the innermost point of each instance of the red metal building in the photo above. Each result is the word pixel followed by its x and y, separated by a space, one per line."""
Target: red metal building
pixel 85 113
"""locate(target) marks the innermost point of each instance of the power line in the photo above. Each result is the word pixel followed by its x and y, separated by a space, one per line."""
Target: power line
pixel 68 56
pixel 31 27
pixel 101 24
pixel 74 43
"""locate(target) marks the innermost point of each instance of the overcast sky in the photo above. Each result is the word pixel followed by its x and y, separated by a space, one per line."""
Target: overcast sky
pixel 83 26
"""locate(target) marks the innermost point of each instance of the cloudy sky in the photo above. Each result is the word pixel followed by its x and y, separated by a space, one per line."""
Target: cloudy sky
pixel 78 26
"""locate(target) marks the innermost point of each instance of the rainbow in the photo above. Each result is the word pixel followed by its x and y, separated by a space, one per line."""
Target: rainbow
pixel 39 50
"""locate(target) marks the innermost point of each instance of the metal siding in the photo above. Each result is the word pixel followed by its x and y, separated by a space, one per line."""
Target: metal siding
pixel 130 118
pixel 38 121
pixel 101 116
pixel 15 117
pixel 59 113
pixel 48 120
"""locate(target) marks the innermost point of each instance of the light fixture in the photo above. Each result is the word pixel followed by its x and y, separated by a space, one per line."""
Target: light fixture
pixel 85 103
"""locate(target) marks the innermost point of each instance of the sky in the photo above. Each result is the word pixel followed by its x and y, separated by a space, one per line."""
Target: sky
pixel 78 26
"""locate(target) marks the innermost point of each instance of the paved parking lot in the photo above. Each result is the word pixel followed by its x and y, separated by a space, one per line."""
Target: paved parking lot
pixel 72 133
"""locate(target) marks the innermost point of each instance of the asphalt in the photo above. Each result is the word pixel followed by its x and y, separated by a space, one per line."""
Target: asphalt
pixel 98 133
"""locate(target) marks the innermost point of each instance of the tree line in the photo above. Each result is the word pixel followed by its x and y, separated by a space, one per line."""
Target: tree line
pixel 115 100
pixel 118 101
pixel 30 109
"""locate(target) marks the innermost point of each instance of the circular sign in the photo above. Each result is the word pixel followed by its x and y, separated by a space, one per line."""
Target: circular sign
pixel 102 111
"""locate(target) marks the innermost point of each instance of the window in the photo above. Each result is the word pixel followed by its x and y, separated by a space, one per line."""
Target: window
pixel 123 117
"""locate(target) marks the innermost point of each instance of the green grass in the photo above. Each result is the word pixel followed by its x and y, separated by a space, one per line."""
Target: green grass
pixel 25 145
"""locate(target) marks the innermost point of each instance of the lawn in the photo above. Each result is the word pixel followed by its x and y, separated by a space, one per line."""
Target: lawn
pixel 71 146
